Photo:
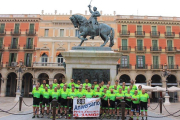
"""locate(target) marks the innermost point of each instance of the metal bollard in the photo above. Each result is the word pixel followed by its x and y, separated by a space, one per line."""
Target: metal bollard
pixel 54 104
pixel 20 102
pixel 160 104
pixel 123 110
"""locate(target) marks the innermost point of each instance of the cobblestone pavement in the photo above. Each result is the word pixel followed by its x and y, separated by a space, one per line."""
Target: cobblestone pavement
pixel 8 102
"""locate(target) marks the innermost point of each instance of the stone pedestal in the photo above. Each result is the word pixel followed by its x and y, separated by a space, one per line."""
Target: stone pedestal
pixel 91 59
pixel 167 100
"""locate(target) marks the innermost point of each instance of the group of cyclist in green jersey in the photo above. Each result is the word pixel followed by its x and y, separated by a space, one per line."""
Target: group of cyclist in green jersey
pixel 137 100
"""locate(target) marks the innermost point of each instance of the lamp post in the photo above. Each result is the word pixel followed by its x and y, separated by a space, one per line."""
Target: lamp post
pixel 20 68
pixel 165 73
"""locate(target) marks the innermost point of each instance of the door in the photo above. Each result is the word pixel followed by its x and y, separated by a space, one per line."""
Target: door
pixel 125 62
pixel 154 30
pixel 139 45
pixel 124 29
pixel 168 30
pixel 29 43
pixel 44 59
pixel 124 44
pixel 155 45
pixel 139 30
pixel 169 45
pixel 2 28
pixel 31 29
pixel 16 30
pixel 171 62
pixel 155 62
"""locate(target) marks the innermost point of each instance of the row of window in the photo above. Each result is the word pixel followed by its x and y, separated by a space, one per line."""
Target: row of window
pixel 28 59
pixel 14 43
pixel 16 27
pixel 124 43
pixel 140 61
pixel 61 34
pixel 140 28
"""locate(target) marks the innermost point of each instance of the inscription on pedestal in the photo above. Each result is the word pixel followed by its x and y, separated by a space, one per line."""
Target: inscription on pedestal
pixel 91 75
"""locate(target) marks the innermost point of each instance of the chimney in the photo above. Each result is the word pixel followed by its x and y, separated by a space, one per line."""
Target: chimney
pixel 70 12
pixel 42 12
pixel 114 13
pixel 55 12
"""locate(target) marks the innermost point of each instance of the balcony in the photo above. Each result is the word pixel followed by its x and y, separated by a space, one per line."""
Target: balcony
pixel 141 66
pixel 29 47
pixel 124 48
pixel 47 65
pixel 170 49
pixel 2 32
pixel 140 49
pixel 155 49
pixel 156 67
pixel 140 33
pixel 124 33
pixel 15 32
pixel 155 34
pixel 13 47
pixel 31 32
pixel 11 65
pixel 173 67
pixel 169 34
pixel 125 67
pixel 2 47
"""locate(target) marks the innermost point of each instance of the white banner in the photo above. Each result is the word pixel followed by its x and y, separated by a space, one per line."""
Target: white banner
pixel 86 107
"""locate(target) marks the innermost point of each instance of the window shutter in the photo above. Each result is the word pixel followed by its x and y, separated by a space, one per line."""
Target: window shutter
pixel 16 42
pixel 128 61
pixel 10 55
pixel 25 59
pixel 15 56
pixel 30 59
pixel 1 42
pixel 137 60
pixel 144 64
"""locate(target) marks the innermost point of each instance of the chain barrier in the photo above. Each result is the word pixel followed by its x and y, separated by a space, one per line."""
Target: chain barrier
pixel 170 113
pixel 11 108
pixel 26 104
pixel 14 113
pixel 154 108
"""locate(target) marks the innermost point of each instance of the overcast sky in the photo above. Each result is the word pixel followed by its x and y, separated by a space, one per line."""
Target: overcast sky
pixel 122 7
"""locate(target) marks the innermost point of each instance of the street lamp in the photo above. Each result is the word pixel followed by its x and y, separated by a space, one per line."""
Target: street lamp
pixel 165 73
pixel 20 68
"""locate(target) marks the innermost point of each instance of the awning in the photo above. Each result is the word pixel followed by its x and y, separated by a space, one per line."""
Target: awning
pixel 57 53
pixel 46 52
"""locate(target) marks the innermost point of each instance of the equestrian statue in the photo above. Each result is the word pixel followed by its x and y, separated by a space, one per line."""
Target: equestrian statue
pixel 92 28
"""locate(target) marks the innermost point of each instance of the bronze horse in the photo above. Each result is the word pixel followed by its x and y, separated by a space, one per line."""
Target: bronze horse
pixel 104 31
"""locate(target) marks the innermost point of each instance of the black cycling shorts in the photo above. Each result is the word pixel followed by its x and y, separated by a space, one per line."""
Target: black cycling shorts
pixel 45 102
pixel 118 104
pixel 135 107
pixel 143 106
pixel 64 102
pixel 112 104
pixel 104 104
pixel 128 104
pixel 59 100
pixel 50 99
pixel 36 101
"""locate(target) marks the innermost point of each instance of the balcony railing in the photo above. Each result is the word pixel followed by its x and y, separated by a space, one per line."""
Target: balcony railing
pixel 154 34
pixel 46 64
pixel 11 64
pixel 140 49
pixel 141 66
pixel 139 33
pixel 172 66
pixel 30 32
pixel 125 66
pixel 124 33
pixel 170 49
pixel 29 47
pixel 2 32
pixel 15 32
pixel 154 66
pixel 14 47
pixel 2 47
pixel 169 34
pixel 155 49
pixel 125 48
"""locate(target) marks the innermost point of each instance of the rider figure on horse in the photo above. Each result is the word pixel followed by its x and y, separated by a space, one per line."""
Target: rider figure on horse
pixel 93 20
